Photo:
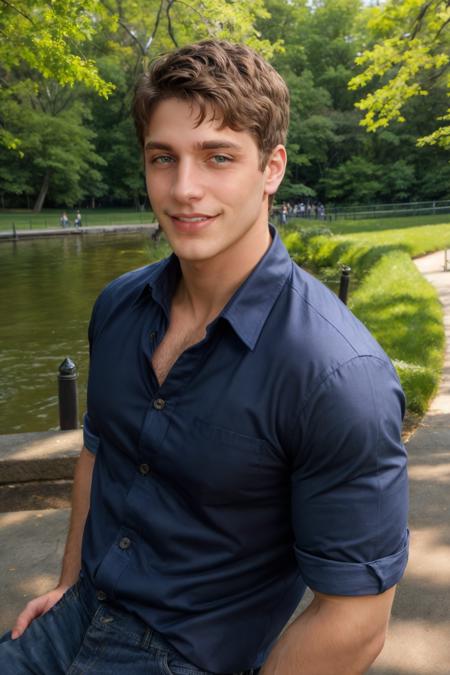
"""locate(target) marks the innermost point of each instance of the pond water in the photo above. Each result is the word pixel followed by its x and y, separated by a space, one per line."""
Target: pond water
pixel 47 290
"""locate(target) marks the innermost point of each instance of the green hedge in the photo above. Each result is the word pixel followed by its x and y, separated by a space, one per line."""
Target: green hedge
pixel 399 307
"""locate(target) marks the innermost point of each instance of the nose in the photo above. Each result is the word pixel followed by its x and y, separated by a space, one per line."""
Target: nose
pixel 187 184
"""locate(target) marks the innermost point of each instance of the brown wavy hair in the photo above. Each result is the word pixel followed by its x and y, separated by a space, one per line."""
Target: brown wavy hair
pixel 230 81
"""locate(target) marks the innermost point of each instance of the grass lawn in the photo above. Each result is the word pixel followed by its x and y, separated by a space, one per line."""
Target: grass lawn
pixel 392 298
pixel 50 218
pixel 374 224
pixel 415 240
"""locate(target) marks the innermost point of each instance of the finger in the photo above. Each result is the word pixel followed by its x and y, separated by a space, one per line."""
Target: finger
pixel 24 619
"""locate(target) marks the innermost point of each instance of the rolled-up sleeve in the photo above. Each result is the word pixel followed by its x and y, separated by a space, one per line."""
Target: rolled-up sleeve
pixel 349 485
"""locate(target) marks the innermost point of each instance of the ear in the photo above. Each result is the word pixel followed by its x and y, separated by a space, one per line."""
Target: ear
pixel 275 169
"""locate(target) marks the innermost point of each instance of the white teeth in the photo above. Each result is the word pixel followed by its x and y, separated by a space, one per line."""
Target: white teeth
pixel 192 220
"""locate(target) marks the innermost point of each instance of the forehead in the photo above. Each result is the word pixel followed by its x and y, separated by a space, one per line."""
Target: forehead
pixel 176 121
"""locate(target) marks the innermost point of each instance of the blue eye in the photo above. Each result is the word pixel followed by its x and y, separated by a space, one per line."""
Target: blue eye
pixel 221 159
pixel 162 159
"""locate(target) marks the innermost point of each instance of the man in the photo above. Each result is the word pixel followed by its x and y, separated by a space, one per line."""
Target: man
pixel 242 438
pixel 64 220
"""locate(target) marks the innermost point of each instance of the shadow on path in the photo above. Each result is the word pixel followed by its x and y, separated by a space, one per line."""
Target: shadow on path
pixel 419 637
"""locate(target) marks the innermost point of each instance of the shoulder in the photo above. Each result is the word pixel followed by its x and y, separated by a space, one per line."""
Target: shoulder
pixel 319 328
pixel 124 290
pixel 132 282
pixel 323 353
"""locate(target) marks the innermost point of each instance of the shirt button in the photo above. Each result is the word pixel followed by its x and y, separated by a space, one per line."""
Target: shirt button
pixel 159 403
pixel 124 543
pixel 152 334
pixel 101 595
pixel 144 469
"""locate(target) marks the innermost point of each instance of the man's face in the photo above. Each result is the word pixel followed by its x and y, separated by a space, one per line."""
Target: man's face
pixel 204 183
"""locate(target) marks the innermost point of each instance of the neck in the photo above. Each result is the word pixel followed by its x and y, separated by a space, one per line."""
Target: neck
pixel 206 286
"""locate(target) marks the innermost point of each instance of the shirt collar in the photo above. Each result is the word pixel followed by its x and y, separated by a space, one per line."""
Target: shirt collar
pixel 249 307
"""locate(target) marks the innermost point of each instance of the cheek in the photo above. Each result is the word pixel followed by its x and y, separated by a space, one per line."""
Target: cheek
pixel 240 191
pixel 155 187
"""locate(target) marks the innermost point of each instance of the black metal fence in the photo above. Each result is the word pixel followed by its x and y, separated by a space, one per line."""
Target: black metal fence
pixel 363 211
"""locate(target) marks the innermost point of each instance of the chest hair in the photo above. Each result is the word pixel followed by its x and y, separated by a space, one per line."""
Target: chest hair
pixel 174 343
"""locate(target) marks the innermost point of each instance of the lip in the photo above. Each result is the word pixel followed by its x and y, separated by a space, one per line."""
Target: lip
pixel 187 226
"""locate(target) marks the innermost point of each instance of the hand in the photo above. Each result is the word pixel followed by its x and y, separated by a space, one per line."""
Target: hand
pixel 36 608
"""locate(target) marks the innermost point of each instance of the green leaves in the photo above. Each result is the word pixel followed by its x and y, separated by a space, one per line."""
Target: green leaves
pixel 409 56
pixel 48 38
pixel 68 67
pixel 56 53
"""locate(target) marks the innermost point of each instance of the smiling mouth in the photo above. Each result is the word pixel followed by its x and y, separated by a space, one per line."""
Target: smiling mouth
pixel 192 223
pixel 191 219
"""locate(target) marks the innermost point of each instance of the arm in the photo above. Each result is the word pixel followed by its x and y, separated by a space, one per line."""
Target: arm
pixel 335 635
pixel 72 554
pixel 349 508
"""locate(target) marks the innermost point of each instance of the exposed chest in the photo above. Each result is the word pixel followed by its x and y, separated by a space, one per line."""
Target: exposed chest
pixel 177 339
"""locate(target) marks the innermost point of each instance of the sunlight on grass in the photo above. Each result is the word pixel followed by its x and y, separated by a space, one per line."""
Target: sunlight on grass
pixel 417 240
pixel 399 307
pixel 402 311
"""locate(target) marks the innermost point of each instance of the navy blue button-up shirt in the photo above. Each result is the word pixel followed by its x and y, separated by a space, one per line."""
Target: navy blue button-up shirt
pixel 270 458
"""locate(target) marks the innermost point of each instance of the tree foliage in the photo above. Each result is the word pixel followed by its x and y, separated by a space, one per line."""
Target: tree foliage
pixel 53 53
pixel 48 37
pixel 409 56
pixel 68 69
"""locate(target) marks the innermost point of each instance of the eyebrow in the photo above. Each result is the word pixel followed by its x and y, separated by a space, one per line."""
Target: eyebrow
pixel 205 145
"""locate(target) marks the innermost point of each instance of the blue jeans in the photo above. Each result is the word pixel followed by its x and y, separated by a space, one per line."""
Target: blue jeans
pixel 83 634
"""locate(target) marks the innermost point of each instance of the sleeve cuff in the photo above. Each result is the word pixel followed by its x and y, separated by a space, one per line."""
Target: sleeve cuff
pixel 90 440
pixel 343 578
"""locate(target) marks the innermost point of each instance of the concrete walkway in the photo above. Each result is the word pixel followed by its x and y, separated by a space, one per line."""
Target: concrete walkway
pixel 19 233
pixel 31 542
pixel 419 634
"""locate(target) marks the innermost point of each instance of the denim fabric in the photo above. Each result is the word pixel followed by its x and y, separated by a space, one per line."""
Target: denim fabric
pixel 82 634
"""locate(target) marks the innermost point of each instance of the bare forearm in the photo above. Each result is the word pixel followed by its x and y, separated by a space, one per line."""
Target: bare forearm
pixel 331 639
pixel 81 493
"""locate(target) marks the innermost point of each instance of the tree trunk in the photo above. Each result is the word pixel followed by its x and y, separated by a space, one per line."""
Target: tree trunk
pixel 39 203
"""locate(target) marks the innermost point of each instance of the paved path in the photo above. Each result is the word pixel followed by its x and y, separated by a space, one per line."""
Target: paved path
pixel 419 635
pixel 31 542
pixel 31 233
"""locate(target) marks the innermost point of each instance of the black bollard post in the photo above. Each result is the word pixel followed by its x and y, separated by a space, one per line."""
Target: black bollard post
pixel 68 397
pixel 14 231
pixel 344 282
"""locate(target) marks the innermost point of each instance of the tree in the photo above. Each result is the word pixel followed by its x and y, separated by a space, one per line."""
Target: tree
pixel 46 39
pixel 356 180
pixel 44 101
pixel 321 42
pixel 57 156
pixel 410 56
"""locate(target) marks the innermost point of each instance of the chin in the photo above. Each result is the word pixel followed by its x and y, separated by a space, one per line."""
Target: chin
pixel 193 254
